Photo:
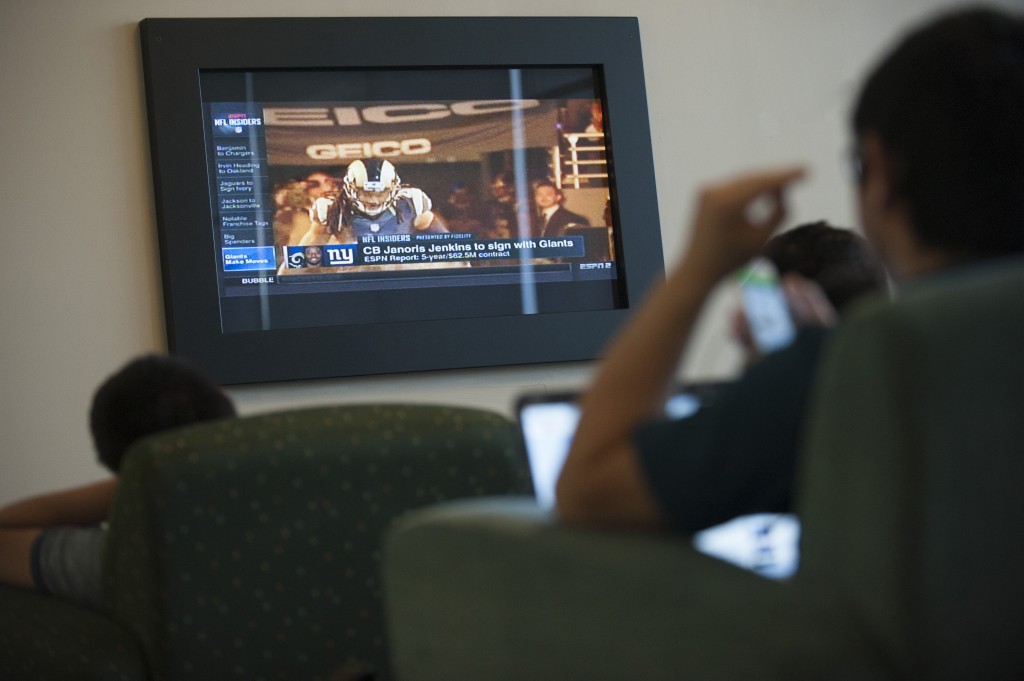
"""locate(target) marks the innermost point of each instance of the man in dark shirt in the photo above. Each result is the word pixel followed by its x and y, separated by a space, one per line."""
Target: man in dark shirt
pixel 939 185
pixel 704 487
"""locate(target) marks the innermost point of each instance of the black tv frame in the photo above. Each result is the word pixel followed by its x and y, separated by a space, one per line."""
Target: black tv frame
pixel 175 51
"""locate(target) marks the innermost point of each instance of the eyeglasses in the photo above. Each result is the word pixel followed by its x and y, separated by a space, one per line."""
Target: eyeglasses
pixel 855 166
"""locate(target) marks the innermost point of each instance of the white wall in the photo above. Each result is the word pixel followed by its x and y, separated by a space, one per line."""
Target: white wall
pixel 731 83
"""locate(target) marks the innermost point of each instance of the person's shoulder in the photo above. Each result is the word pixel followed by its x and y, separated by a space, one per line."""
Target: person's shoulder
pixel 582 219
pixel 572 216
pixel 810 337
pixel 788 365
pixel 808 343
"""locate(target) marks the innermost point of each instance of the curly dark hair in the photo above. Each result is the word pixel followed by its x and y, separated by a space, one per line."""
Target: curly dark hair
pixel 841 261
pixel 148 395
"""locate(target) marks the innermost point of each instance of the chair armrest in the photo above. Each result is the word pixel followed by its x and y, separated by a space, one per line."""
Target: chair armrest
pixel 497 589
pixel 45 637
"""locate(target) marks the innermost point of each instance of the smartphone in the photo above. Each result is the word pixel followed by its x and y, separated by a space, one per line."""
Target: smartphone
pixel 765 306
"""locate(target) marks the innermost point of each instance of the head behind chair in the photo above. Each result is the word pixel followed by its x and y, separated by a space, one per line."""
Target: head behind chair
pixel 148 395
pixel 840 261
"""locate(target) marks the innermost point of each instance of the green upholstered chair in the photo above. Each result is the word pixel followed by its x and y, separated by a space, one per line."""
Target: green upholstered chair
pixel 250 548
pixel 912 469
pixel 44 638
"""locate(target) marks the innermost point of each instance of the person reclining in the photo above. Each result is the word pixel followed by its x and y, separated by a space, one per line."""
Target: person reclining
pixel 54 542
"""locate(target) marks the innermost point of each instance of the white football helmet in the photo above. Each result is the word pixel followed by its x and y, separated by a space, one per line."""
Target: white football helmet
pixel 371 186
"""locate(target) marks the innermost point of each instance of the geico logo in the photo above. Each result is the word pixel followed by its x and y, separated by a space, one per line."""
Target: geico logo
pixel 390 113
pixel 384 149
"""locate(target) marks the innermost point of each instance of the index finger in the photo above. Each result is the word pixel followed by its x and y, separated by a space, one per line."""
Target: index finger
pixel 752 184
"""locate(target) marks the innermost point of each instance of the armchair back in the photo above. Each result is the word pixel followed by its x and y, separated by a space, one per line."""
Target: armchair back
pixel 912 470
pixel 914 466
pixel 250 548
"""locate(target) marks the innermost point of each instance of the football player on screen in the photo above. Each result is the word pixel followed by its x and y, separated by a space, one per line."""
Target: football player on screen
pixel 372 201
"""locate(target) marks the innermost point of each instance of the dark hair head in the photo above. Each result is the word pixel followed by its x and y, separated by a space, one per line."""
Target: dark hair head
pixel 503 176
pixel 148 395
pixel 948 105
pixel 842 262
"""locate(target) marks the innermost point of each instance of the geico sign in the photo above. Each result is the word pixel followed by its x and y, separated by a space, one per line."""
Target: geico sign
pixel 390 113
pixel 383 149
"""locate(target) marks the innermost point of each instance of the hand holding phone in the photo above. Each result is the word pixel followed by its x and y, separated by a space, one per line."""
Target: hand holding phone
pixel 764 305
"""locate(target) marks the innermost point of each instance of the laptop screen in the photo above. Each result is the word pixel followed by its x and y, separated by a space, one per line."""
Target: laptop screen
pixel 765 543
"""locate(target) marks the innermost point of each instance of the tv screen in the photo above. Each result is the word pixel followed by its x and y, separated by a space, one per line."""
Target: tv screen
pixel 341 197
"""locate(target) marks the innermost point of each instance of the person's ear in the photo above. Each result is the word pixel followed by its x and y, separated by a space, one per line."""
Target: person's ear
pixel 881 175
pixel 884 212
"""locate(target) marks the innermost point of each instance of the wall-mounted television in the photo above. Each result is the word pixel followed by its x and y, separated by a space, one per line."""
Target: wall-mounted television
pixel 354 196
